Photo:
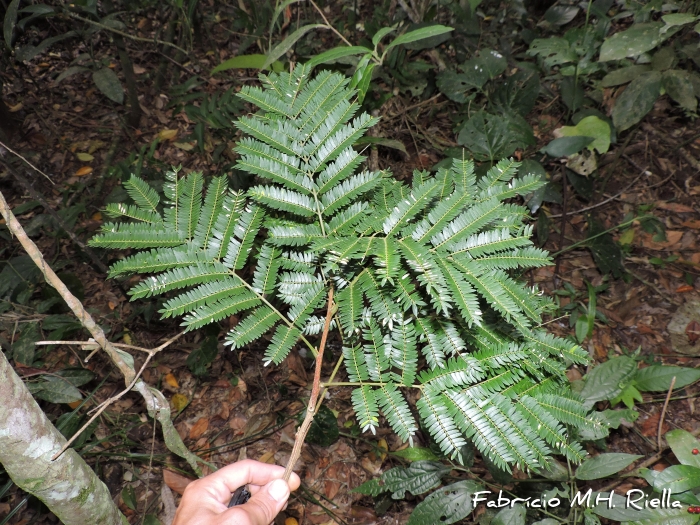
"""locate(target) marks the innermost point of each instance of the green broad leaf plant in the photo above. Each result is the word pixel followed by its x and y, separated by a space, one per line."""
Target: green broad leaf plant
pixel 420 276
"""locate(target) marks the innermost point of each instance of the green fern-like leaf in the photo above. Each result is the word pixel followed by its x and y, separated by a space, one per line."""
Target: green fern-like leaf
pixel 142 194
pixel 425 273
pixel 364 401
pixel 254 325
pixel 129 211
pixel 282 342
pixel 396 410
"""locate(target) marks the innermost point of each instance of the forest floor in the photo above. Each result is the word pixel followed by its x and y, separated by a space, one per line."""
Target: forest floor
pixel 239 408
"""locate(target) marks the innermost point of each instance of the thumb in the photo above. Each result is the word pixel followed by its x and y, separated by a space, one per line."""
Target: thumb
pixel 267 502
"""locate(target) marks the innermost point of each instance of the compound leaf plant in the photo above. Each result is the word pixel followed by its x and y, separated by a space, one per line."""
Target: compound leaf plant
pixel 422 274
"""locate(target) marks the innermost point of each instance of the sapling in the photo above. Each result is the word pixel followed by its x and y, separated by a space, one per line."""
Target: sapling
pixel 417 279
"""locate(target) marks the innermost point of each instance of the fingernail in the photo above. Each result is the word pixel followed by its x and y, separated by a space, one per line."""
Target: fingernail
pixel 278 490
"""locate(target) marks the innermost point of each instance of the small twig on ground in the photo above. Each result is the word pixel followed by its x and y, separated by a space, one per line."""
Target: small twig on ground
pixel 562 227
pixel 663 413
pixel 330 26
pixel 606 201
pixel 47 207
pixel 73 302
pixel 103 406
pixel 92 345
pixel 644 464
pixel 155 402
pixel 127 35
pixel 311 409
pixel 25 161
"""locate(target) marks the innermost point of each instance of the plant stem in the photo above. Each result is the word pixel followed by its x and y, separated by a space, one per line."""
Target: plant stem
pixel 663 413
pixel 127 35
pixel 311 409
pixel 584 241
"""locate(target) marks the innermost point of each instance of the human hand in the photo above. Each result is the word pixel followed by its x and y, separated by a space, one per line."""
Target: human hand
pixel 205 500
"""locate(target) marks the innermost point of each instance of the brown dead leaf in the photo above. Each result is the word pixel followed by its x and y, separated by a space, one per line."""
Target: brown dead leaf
pixel 362 514
pixel 237 424
pixel 331 488
pixel 650 426
pixel 644 329
pixel 693 332
pixel 572 374
pixel 675 207
pixel 176 482
pixel 138 70
pixel 296 365
pixel 661 465
pixel 85 170
pixel 373 467
pixel 267 457
pixel 673 237
pixel 685 288
pixel 199 428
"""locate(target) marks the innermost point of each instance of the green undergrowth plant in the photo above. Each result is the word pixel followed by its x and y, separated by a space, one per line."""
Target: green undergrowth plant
pixel 416 279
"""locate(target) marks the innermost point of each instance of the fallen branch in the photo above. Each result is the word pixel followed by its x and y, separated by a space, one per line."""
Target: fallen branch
pixel 156 404
pixel 103 406
pixel 26 162
pixel 127 35
pixel 37 196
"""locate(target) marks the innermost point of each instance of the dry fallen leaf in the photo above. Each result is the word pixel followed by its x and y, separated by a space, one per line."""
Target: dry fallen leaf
pixel 675 207
pixel 85 170
pixel 179 402
pixel 176 482
pixel 96 216
pixel 650 426
pixel 15 108
pixel 693 332
pixel 644 329
pixel 171 380
pixel 138 70
pixel 267 457
pixel 168 134
pixel 383 446
pixel 199 428
pixel 685 288
pixel 85 157
pixel 672 237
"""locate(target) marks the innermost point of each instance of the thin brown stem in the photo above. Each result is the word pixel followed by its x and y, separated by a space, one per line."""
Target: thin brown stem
pixel 663 413
pixel 644 464
pixel 103 406
pixel 127 35
pixel 311 409
pixel 320 12
pixel 26 161
pixel 48 209
pixel 73 302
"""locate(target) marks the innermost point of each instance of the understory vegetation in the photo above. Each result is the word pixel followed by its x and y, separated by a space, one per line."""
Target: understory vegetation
pixel 462 233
